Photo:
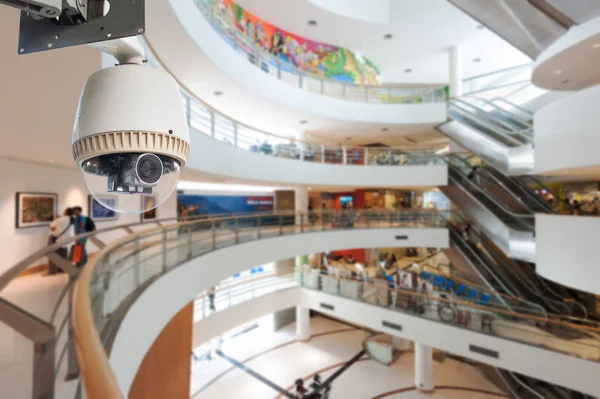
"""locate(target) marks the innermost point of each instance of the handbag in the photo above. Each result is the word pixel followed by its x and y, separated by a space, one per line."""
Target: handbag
pixel 76 253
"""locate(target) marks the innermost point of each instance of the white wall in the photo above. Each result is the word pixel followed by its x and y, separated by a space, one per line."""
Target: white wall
pixel 219 158
pixel 238 69
pixel 16 176
pixel 174 290
pixel 376 11
pixel 566 135
pixel 567 250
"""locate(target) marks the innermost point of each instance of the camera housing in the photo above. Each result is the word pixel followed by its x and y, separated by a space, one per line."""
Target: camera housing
pixel 130 136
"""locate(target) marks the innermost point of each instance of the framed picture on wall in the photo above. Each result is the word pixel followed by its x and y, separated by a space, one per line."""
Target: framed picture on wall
pixel 99 212
pixel 35 209
pixel 149 204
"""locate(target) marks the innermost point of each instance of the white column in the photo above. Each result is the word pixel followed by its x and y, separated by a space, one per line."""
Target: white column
pixel 302 323
pixel 301 137
pixel 423 367
pixel 302 199
pixel 456 76
pixel 456 87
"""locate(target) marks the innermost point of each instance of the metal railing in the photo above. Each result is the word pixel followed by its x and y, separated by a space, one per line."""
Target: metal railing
pixel 114 278
pixel 288 73
pixel 514 76
pixel 204 119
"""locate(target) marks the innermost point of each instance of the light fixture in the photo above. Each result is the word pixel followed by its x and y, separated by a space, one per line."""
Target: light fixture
pixel 312 22
pixel 385 129
pixel 408 70
pixel 218 93
pixel 557 72
pixel 348 138
pixel 480 27
pixel 565 81
pixel 387 36
pixel 596 45
pixel 303 122
pixel 443 150
pixel 476 59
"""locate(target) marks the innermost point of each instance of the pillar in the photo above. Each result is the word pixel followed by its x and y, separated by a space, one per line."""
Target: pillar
pixel 456 86
pixel 302 323
pixel 301 199
pixel 423 367
pixel 166 369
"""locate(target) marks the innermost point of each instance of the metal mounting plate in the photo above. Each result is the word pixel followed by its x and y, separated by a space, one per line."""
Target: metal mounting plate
pixel 125 18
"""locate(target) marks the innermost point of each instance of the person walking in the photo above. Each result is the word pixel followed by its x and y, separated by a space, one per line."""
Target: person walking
pixel 82 224
pixel 211 299
pixel 59 228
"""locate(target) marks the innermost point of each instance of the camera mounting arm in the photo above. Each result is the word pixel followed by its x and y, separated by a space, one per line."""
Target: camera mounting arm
pixel 127 50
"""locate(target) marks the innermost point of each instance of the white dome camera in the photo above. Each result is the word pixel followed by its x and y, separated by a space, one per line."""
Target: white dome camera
pixel 130 137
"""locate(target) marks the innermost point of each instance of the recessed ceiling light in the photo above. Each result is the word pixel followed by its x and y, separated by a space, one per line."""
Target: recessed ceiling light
pixel 596 45
pixel 565 81
pixel 408 70
pixel 303 122
pixel 476 59
pixel 388 36
pixel 557 72
pixel 348 138
pixel 218 93
pixel 385 129
pixel 312 22
pixel 480 27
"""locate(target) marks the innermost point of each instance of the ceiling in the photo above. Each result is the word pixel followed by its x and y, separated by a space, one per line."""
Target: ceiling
pixel 423 31
pixel 200 76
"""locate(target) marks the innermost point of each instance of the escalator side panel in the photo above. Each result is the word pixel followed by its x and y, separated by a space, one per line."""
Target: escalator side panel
pixel 515 244
pixel 513 161
pixel 467 271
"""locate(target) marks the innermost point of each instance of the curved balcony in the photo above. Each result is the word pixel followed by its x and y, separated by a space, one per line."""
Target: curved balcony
pixel 200 45
pixel 223 146
pixel 142 266
pixel 288 73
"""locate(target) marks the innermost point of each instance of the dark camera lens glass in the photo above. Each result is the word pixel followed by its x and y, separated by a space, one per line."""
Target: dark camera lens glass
pixel 149 168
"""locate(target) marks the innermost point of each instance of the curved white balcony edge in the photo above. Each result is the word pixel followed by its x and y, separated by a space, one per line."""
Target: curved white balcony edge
pixel 570 63
pixel 140 327
pixel 238 69
pixel 222 159
pixel 567 250
pixel 566 135
pixel 553 367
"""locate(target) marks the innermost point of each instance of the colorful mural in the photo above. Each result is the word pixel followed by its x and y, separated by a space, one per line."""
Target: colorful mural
pixel 316 58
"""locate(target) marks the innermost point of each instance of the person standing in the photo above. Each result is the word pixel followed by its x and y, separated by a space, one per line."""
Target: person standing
pixel 82 224
pixel 211 299
pixel 59 229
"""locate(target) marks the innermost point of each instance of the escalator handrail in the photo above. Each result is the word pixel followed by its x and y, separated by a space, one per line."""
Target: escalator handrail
pixel 454 229
pixel 544 187
pixel 490 176
pixel 500 258
pixel 482 113
pixel 468 115
pixel 484 118
pixel 517 216
pixel 527 387
pixel 516 106
pixel 505 112
pixel 544 204
pixel 575 302
pixel 507 384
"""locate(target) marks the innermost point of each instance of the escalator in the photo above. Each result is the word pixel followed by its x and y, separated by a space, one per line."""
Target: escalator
pixel 502 138
pixel 529 25
pixel 500 216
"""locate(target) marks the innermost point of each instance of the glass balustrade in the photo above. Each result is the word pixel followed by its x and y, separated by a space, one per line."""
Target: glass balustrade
pixel 127 267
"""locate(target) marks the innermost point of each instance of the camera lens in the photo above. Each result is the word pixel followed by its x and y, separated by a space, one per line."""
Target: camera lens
pixel 149 168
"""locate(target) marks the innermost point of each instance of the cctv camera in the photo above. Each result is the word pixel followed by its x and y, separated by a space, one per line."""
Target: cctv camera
pixel 130 138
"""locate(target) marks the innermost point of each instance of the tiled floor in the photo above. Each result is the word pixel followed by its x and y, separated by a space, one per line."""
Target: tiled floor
pixel 286 363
